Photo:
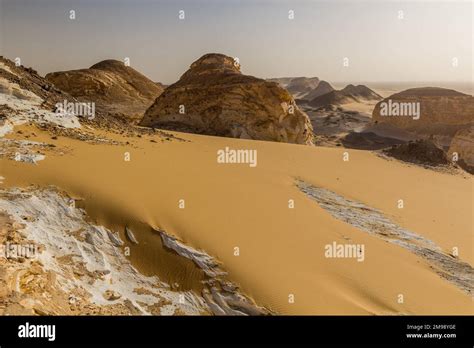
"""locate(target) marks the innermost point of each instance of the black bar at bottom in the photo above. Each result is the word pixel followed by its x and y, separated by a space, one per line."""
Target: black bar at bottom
pixel 290 330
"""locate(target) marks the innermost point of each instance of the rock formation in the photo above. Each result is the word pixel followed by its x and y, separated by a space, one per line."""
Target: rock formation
pixel 443 112
pixel 422 151
pixel 463 145
pixel 368 141
pixel 27 97
pixel 27 85
pixel 213 97
pixel 116 89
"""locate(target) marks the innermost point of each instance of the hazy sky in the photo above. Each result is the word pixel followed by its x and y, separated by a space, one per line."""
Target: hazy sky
pixel 379 45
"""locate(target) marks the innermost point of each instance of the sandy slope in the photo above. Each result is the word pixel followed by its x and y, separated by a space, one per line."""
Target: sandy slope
pixel 281 249
pixel 365 108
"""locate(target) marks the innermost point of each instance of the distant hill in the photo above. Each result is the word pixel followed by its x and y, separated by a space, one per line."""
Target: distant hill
pixel 304 88
pixel 428 92
pixel 322 88
pixel 285 81
pixel 302 85
pixel 443 112
pixel 348 94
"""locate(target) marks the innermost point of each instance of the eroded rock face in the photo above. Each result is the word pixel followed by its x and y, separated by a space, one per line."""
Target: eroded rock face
pixel 114 87
pixel 26 84
pixel 27 97
pixel 463 145
pixel 443 112
pixel 213 97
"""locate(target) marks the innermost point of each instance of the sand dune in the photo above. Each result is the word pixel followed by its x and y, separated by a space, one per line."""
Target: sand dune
pixel 281 250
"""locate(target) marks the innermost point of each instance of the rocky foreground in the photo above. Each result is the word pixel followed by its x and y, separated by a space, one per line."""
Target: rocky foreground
pixel 67 266
pixel 54 260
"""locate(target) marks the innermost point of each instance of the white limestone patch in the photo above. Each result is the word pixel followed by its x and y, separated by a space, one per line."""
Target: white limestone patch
pixel 32 158
pixel 201 259
pixel 26 107
pixel 222 296
pixel 376 223
pixel 22 150
pixel 5 127
pixel 52 221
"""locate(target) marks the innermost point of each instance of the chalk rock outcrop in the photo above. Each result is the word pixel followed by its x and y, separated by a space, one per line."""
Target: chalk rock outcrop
pixel 27 97
pixel 213 97
pixel 27 85
pixel 115 88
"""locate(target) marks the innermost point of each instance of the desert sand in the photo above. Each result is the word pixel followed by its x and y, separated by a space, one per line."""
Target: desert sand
pixel 281 250
pixel 365 108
